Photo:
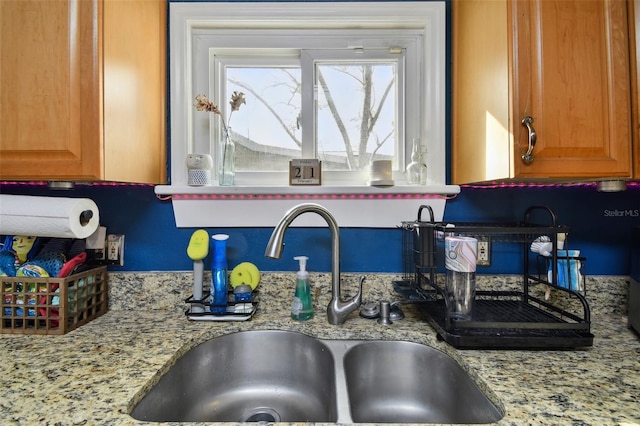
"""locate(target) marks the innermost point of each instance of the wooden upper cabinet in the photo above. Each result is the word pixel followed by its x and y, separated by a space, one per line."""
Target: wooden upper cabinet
pixel 82 90
pixel 563 63
pixel 634 32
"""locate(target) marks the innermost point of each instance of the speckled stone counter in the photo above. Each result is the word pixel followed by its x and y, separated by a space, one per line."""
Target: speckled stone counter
pixel 95 374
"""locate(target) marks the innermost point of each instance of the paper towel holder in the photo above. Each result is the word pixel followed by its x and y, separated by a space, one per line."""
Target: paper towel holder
pixel 85 217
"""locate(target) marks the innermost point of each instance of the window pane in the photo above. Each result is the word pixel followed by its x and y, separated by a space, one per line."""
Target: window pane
pixel 356 114
pixel 266 130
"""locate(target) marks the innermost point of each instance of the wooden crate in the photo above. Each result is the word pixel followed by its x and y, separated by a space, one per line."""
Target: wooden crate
pixel 52 305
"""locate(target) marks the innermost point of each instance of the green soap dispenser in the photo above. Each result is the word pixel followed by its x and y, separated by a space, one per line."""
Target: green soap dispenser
pixel 302 306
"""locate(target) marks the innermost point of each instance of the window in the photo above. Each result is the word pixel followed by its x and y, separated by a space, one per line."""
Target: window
pixel 340 104
pixel 344 82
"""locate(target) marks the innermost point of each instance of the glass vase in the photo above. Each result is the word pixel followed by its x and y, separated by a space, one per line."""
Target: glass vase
pixel 417 169
pixel 227 157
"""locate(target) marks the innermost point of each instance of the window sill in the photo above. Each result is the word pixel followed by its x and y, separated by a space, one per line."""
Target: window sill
pixel 263 206
pixel 303 189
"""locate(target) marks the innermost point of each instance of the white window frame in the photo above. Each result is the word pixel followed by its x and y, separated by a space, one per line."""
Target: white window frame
pixel 191 23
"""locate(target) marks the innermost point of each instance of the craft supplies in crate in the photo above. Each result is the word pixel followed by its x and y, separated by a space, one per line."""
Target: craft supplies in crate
pixel 52 305
pixel 503 317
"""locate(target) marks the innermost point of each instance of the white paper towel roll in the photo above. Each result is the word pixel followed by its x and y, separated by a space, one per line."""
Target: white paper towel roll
pixel 48 216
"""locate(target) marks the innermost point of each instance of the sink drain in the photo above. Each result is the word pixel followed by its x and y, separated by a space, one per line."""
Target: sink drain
pixel 262 415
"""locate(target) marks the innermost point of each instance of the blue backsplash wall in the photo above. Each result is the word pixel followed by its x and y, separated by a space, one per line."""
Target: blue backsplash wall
pixel 600 227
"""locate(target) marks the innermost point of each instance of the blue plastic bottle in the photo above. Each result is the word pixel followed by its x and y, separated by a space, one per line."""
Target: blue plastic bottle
pixel 219 274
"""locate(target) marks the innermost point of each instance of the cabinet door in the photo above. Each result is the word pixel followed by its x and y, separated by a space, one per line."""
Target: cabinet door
pixel 134 55
pixel 571 74
pixel 482 142
pixel 634 32
pixel 50 97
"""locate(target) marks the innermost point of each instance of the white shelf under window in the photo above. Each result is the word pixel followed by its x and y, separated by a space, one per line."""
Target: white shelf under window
pixel 263 206
pixel 302 189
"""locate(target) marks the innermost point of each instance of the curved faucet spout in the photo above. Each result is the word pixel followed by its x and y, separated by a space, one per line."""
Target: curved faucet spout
pixel 338 310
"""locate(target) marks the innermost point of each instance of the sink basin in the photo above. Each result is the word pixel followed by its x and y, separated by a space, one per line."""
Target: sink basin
pixel 281 376
pixel 247 377
pixel 403 382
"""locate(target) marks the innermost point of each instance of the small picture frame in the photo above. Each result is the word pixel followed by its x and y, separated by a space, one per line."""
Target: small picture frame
pixel 305 172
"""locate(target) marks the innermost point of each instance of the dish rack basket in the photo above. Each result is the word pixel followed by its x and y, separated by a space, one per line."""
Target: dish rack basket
pixel 52 306
pixel 541 315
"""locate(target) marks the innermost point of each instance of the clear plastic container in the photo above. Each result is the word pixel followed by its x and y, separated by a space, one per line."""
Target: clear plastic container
pixel 461 254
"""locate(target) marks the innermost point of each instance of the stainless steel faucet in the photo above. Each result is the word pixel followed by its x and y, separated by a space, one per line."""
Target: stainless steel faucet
pixel 338 310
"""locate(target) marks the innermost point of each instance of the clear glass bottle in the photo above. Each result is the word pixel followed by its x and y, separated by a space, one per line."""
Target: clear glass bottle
pixel 227 157
pixel 417 168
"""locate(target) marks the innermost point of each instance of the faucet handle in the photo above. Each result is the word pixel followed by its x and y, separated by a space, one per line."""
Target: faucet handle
pixel 358 297
pixel 338 310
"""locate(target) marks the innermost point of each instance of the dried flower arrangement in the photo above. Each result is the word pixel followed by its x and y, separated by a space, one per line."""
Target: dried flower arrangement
pixel 204 104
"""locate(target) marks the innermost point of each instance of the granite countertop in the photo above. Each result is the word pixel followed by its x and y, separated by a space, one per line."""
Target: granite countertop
pixel 95 374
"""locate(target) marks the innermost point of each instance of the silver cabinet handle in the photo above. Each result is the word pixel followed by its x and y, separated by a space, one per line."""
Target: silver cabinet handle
pixel 527 157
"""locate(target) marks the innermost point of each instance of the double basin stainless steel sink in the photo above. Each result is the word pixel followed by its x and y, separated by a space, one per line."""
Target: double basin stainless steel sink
pixel 282 376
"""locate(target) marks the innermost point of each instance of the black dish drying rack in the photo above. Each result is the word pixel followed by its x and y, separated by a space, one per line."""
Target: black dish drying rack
pixel 502 319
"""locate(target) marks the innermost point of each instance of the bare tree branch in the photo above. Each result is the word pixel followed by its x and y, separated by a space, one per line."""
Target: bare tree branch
pixel 379 143
pixel 271 109
pixel 339 122
pixel 374 120
pixel 365 124
pixel 368 116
